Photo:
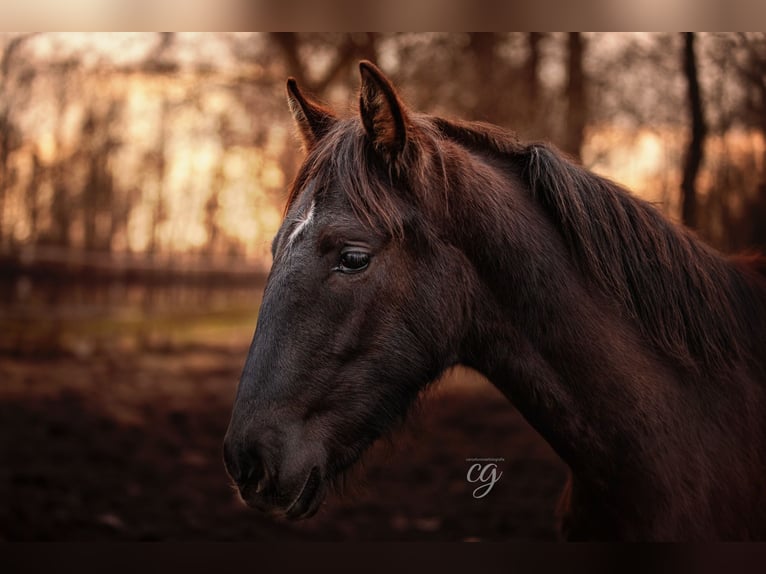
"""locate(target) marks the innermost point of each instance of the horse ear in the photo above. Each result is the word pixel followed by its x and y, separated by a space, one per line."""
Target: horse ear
pixel 313 120
pixel 383 114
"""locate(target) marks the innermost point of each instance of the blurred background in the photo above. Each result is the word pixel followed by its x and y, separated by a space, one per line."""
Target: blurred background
pixel 142 177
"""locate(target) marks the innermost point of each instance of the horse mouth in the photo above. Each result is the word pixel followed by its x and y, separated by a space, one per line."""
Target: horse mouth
pixel 309 498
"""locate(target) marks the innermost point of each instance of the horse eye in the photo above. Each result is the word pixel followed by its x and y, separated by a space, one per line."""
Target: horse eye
pixel 353 261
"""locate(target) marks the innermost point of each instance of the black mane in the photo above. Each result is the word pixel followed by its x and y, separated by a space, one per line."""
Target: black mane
pixel 692 302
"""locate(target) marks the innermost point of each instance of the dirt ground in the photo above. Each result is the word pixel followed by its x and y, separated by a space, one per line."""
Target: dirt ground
pixel 128 446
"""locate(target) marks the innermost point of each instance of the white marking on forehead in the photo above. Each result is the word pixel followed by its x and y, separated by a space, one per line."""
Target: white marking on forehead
pixel 302 224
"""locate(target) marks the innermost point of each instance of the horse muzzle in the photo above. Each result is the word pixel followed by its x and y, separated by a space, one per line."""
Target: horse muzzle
pixel 292 487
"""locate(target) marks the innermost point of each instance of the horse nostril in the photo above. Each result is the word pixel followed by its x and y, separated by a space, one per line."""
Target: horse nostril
pixel 252 468
pixel 245 466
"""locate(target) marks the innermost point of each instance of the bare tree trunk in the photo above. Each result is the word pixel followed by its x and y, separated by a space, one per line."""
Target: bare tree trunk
pixel 159 211
pixel 368 47
pixel 577 103
pixel 483 48
pixel 530 74
pixel 288 44
pixel 695 149
pixel 532 66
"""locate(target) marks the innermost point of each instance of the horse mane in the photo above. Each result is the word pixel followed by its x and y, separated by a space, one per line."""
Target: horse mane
pixel 692 303
pixel 695 305
pixel 685 296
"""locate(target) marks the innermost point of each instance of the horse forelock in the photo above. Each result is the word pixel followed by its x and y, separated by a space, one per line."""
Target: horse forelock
pixel 389 197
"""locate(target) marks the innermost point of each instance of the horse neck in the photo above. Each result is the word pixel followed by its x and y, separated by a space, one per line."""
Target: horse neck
pixel 646 437
pixel 567 359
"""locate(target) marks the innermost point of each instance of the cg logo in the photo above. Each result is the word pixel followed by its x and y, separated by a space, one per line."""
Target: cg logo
pixel 485 472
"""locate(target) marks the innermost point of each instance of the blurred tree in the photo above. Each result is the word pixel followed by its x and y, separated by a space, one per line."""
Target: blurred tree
pixel 60 234
pixel 32 197
pixel 9 136
pixel 158 162
pixel 752 72
pixel 577 103
pixel 99 198
pixel 531 73
pixel 747 53
pixel 494 76
pixel 212 228
pixel 67 182
pixel 345 50
pixel 695 150
pixel 160 61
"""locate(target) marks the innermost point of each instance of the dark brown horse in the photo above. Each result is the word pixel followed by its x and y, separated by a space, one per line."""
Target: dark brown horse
pixel 412 243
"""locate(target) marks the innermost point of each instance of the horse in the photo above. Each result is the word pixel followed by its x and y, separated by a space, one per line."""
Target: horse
pixel 412 243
